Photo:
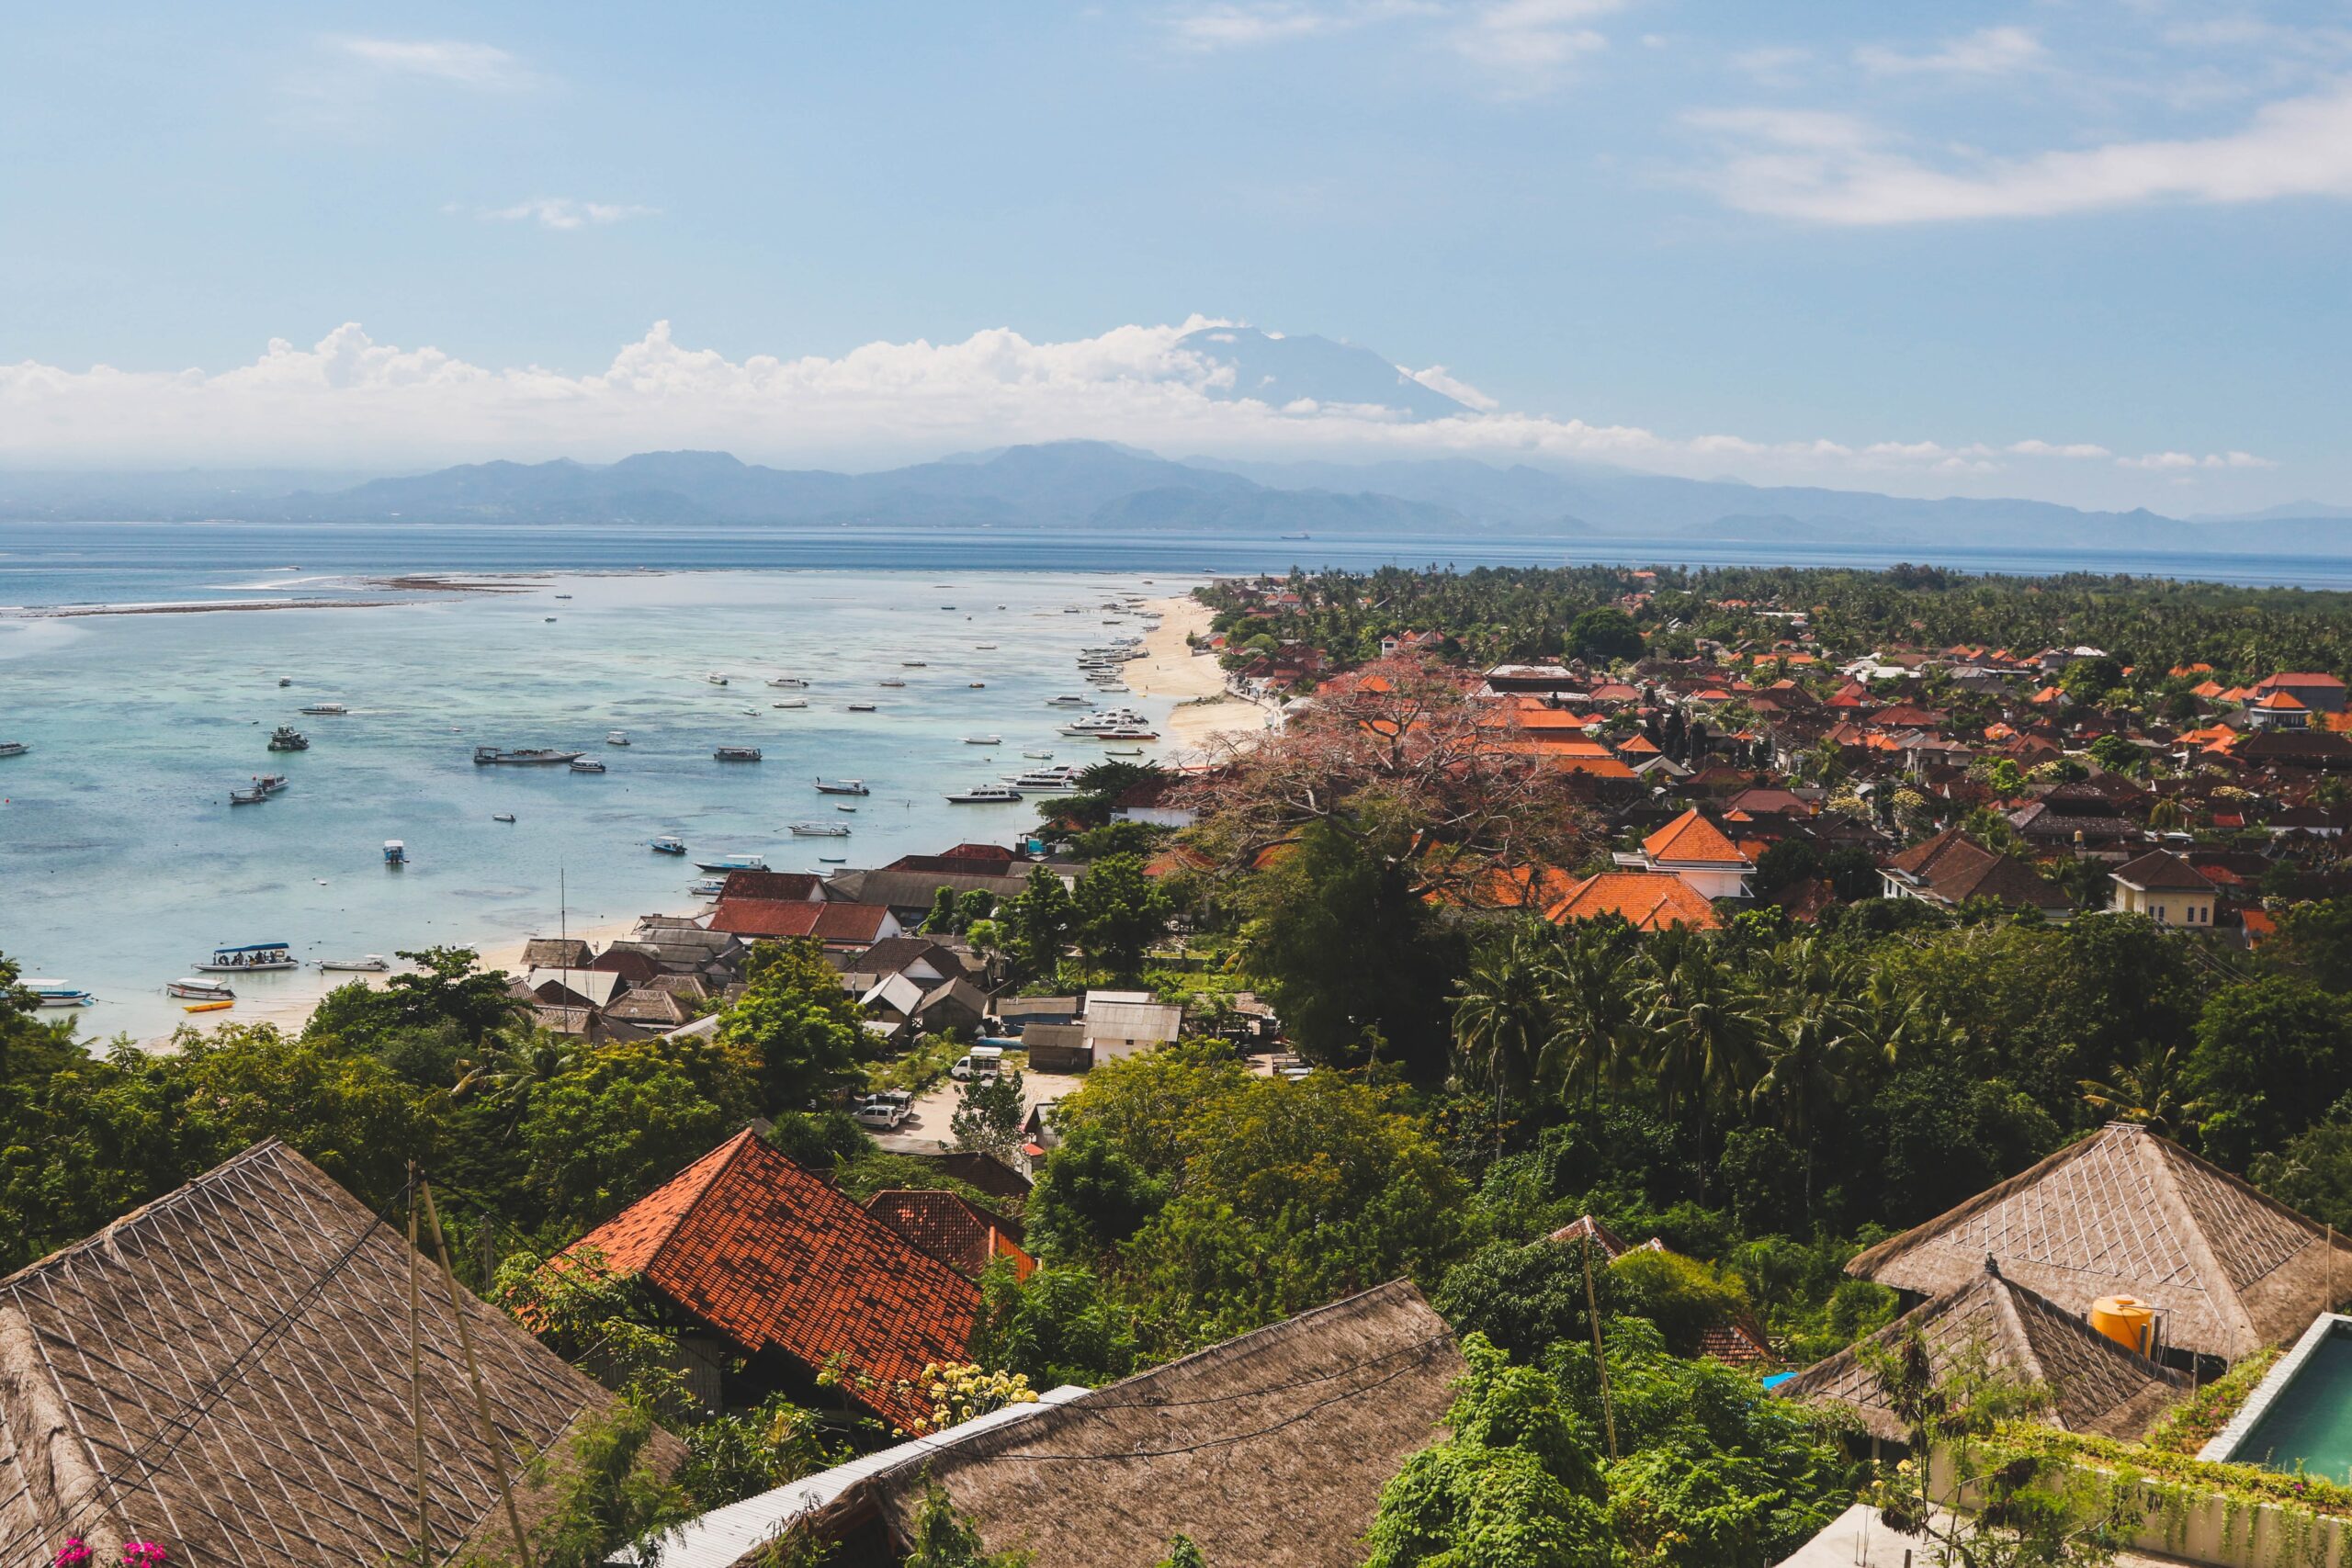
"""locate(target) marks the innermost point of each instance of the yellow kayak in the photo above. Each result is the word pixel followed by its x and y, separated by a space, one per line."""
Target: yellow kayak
pixel 207 1007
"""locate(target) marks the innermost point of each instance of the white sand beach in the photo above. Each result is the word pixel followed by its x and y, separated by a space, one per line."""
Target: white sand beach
pixel 1170 668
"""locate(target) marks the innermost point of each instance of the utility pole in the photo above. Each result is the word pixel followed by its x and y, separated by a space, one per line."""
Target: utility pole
pixel 1599 1358
pixel 474 1375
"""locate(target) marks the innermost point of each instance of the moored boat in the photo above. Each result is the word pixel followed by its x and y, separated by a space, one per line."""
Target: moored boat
pixel 502 816
pixel 715 679
pixel 706 886
pixel 285 737
pixel 58 994
pixel 586 765
pixel 842 786
pixel 522 757
pixel 819 830
pixel 395 853
pixel 196 989
pixel 251 956
pixel 13 748
pixel 983 740
pixel 737 754
pixel 790 682
pixel 861 707
pixel 617 738
pixel 986 794
pixel 252 797
pixel 668 844
pixel 791 703
pixel 373 963
pixel 326 710
pixel 726 864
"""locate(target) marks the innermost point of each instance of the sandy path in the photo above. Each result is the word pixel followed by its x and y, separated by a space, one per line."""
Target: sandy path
pixel 1170 668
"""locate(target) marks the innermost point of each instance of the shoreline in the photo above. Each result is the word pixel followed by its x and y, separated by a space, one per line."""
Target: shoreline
pixel 1206 709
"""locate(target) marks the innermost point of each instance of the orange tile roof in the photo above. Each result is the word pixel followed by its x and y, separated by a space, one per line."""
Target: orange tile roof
pixel 952 1229
pixel 1649 900
pixel 2279 702
pixel 1637 745
pixel 832 921
pixel 2206 689
pixel 770 1256
pixel 1591 767
pixel 1691 837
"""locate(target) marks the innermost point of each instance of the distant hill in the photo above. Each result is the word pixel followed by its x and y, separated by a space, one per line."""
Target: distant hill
pixel 1102 486
pixel 1280 370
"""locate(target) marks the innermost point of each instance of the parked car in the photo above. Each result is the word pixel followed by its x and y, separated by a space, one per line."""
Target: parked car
pixel 880 1114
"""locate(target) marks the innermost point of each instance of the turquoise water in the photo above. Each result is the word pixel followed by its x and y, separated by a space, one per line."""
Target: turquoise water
pixel 2310 1423
pixel 123 865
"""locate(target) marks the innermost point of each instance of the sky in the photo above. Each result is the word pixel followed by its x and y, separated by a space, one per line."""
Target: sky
pixel 2089 251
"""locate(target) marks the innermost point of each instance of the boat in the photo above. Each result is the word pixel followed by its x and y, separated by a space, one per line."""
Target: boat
pixel 502 816
pixel 285 737
pixel 58 994
pixel 395 853
pixel 715 679
pixel 819 830
pixel 833 859
pixel 791 703
pixel 726 864
pixel 13 748
pixel 892 681
pixel 737 754
pixel 253 797
pixel 984 646
pixel 912 665
pixel 861 707
pixel 326 710
pixel 200 990
pixel 667 845
pixel 983 740
pixel 1069 699
pixel 708 886
pixel 1041 756
pixel 270 783
pixel 986 794
pixel 844 807
pixel 563 596
pixel 978 685
pixel 286 679
pixel 373 963
pixel 615 739
pixel 550 620
pixel 525 757
pixel 1059 779
pixel 842 786
pixel 207 1007
pixel 1124 733
pixel 252 956
pixel 790 682
pixel 586 765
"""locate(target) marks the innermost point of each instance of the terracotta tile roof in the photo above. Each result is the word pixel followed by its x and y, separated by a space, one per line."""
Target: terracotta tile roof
pixel 1637 745
pixel 2096 1385
pixel 2299 677
pixel 1649 900
pixel 2279 702
pixel 2159 869
pixel 2126 1212
pixel 1692 837
pixel 957 1232
pixel 828 922
pixel 770 1256
pixel 1955 867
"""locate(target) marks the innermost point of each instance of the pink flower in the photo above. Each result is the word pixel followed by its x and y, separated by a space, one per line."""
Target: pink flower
pixel 74 1553
pixel 144 1554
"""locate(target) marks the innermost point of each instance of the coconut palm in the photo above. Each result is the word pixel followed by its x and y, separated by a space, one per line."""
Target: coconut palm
pixel 1503 1020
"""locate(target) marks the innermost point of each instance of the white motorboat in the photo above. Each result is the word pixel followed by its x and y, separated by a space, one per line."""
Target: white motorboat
pixel 524 757
pixel 13 748
pixel 790 682
pixel 1041 756
pixel 726 864
pixel 893 680
pixel 861 707
pixel 615 739
pixel 252 956
pixel 1059 779
pixel 1069 699
pixel 395 853
pixel 983 740
pixel 667 845
pixel 708 886
pixel 819 830
pixel 715 679
pixel 986 794
pixel 586 765
pixel 842 786
pixel 58 994
pixel 373 963
pixel 198 990
pixel 791 703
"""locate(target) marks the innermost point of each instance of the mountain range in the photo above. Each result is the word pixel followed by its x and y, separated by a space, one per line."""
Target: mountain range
pixel 1099 486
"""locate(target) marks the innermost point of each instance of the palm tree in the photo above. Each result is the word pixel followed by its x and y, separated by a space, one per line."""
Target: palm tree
pixel 1805 1074
pixel 1503 1021
pixel 1701 1032
pixel 1594 1002
pixel 2145 1094
pixel 510 1075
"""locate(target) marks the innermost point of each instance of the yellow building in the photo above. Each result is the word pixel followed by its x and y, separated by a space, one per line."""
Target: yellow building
pixel 2165 888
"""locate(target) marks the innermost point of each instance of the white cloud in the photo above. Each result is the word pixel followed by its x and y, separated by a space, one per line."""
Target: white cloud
pixel 350 401
pixel 1529 45
pixel 2044 449
pixel 2162 461
pixel 1992 52
pixel 1437 379
pixel 563 213
pixel 445 60
pixel 1246 24
pixel 1838 170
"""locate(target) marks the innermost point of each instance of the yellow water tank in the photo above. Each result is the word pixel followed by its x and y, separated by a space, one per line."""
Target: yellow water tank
pixel 2124 1319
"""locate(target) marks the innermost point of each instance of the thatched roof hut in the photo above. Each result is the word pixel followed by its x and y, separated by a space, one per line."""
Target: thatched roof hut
pixel 2126 1212
pixel 1270 1449
pixel 1997 1326
pixel 225 1373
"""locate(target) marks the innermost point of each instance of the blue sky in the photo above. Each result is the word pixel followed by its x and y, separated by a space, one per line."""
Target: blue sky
pixel 1919 249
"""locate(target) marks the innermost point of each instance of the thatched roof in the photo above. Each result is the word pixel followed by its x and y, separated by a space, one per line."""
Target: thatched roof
pixel 225 1373
pixel 2000 1328
pixel 1270 1449
pixel 2127 1213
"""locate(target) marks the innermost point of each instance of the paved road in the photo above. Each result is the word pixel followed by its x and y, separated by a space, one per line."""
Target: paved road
pixel 926 1131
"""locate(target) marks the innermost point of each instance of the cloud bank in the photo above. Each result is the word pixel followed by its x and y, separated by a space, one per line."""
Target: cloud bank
pixel 350 401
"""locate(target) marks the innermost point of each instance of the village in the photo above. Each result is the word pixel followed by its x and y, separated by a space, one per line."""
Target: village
pixel 1683 1082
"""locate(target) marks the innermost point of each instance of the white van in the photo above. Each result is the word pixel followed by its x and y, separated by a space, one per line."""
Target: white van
pixel 983 1062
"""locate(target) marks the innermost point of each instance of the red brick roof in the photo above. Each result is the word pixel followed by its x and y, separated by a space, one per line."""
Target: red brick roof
pixel 769 1255
pixel 844 923
pixel 959 1234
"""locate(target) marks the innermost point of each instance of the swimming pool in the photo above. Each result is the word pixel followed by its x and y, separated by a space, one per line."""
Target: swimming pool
pixel 2301 1415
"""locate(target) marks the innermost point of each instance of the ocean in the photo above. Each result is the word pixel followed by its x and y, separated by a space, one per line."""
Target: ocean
pixel 123 865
